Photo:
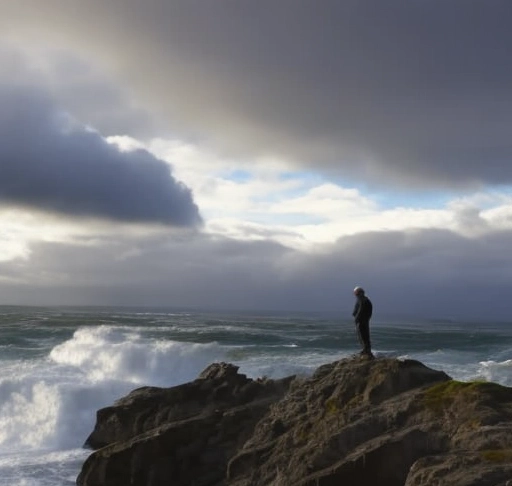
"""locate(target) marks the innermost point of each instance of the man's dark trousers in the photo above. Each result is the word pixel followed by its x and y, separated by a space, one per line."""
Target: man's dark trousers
pixel 363 332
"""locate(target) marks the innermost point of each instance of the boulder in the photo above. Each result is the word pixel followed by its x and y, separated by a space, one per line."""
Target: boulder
pixel 187 432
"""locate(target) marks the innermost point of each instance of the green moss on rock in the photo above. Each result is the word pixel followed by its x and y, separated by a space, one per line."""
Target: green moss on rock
pixel 497 455
pixel 443 394
pixel 331 405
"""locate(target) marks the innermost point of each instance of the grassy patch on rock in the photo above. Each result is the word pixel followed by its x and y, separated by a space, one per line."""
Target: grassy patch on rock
pixel 443 395
pixel 497 455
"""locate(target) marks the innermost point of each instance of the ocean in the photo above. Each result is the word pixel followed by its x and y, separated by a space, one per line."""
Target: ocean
pixel 60 365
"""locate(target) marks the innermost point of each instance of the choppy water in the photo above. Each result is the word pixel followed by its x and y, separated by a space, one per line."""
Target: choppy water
pixel 58 366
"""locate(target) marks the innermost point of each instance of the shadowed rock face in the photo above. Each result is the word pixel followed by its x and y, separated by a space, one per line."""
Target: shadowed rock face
pixel 219 387
pixel 187 432
pixel 354 422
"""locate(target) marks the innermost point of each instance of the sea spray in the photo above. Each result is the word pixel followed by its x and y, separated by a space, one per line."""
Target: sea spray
pixel 51 403
pixel 108 353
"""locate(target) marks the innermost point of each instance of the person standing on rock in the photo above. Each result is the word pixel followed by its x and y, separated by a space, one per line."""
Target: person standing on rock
pixel 362 314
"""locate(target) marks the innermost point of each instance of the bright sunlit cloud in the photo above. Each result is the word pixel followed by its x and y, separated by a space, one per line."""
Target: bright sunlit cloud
pixel 270 200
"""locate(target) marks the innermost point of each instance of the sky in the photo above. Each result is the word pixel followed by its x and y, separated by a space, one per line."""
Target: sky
pixel 268 155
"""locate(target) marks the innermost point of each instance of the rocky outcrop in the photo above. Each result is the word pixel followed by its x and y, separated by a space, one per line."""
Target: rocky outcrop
pixel 187 433
pixel 386 422
pixel 219 388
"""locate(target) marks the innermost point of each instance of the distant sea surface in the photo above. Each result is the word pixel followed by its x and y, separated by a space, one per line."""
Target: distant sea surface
pixel 60 365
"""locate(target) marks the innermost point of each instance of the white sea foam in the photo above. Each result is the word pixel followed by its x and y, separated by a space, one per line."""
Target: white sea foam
pixel 51 404
pixel 44 469
pixel 111 353
pixel 497 371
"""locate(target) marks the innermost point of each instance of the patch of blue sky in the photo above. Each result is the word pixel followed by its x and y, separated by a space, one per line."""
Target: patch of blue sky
pixel 417 199
pixel 385 199
pixel 400 198
pixel 503 191
pixel 412 199
pixel 308 178
pixel 237 175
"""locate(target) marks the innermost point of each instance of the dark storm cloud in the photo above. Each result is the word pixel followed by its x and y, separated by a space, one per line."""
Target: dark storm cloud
pixel 93 97
pixel 52 163
pixel 403 90
pixel 425 273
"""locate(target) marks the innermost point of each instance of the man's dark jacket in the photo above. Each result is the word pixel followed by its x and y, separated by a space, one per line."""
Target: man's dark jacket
pixel 363 309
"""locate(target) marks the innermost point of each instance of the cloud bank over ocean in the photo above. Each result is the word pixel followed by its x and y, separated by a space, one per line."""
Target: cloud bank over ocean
pixel 257 155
